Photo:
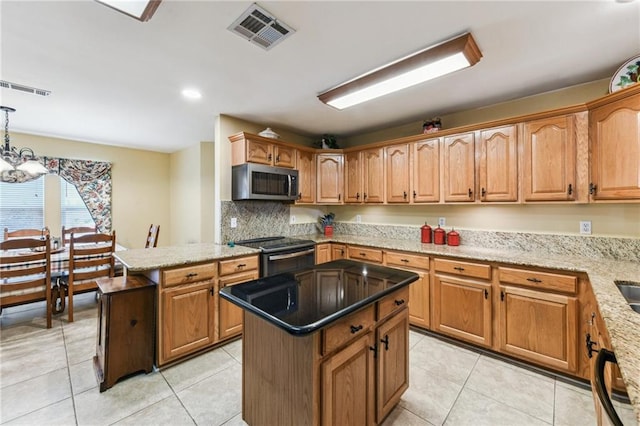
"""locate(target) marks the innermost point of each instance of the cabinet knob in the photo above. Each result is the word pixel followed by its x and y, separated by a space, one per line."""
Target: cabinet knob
pixel 483 192
pixel 133 322
pixel 470 193
pixel 399 302
pixel 404 194
pixel 414 195
pixel 355 329
pixel 269 157
pixel 365 196
pixel 277 158
pixel 570 189
pixel 593 188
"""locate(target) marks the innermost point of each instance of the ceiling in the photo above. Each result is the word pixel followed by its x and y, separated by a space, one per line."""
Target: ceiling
pixel 117 81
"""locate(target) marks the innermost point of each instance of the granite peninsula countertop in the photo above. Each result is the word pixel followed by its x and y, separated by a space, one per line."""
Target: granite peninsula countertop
pixel 623 324
pixel 140 260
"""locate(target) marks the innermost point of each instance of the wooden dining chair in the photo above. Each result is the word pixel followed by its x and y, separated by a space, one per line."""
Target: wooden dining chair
pixel 25 272
pixel 152 236
pixel 26 233
pixel 78 230
pixel 90 258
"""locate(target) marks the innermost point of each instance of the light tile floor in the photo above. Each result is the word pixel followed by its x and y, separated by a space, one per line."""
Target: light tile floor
pixel 47 378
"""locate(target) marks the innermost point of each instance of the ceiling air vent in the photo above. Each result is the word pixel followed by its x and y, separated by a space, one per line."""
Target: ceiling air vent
pixel 22 88
pixel 260 27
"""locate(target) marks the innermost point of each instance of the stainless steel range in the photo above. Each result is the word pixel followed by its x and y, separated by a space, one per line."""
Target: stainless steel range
pixel 282 254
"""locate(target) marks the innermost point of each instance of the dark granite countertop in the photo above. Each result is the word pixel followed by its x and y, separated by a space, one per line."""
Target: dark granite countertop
pixel 304 301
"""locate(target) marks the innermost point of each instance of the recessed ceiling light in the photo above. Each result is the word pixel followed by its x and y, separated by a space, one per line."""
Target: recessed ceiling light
pixel 191 94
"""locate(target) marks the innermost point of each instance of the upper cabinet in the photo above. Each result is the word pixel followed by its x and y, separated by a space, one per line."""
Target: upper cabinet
pixel 398 173
pixel 306 165
pixel 247 148
pixel 459 167
pixel 549 159
pixel 353 177
pixel 614 130
pixel 425 182
pixel 499 164
pixel 329 173
pixel 364 176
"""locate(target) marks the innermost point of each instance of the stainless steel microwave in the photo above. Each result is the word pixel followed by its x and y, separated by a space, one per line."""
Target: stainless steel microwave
pixel 259 182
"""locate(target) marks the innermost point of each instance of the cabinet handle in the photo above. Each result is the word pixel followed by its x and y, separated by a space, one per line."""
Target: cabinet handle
pixel 374 348
pixel 470 193
pixel 339 197
pixel 570 189
pixel 191 275
pixel 278 158
pixel 486 293
pixel 458 268
pixel 483 192
pixel 133 322
pixel 211 291
pixel 363 254
pixel 502 296
pixel 355 329
pixel 590 344
pixel 414 195
pixel 399 302
pixel 269 157
pixel 404 194
pixel 241 265
pixel 300 196
pixel 365 196
pixel 386 342
pixel 593 188
pixel 357 195
pixel 404 260
pixel 342 252
pixel 534 280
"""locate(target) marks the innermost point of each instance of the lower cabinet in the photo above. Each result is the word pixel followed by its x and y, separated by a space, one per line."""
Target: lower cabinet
pixel 338 251
pixel 229 315
pixel 419 293
pixel 323 253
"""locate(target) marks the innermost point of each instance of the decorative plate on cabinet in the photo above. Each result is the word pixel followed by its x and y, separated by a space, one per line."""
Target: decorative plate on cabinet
pixel 268 133
pixel 627 74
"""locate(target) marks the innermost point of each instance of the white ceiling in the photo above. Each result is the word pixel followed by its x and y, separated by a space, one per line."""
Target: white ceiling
pixel 117 81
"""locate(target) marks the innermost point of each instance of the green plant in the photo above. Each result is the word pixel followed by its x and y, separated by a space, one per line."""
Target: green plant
pixel 329 140
pixel 327 219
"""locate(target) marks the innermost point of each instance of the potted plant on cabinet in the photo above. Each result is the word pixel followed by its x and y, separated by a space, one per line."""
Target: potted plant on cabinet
pixel 326 222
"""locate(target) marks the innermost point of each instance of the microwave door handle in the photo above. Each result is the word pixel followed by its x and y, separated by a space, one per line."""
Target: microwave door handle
pixel 289 179
pixel 292 255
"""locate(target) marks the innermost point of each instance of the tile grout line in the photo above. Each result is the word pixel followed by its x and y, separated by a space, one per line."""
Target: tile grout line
pixel 66 353
pixel 177 397
pixel 461 389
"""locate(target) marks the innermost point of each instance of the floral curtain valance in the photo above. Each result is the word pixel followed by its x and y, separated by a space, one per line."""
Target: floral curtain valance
pixel 92 179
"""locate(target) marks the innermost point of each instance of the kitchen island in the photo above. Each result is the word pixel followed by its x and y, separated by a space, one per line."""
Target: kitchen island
pixel 324 345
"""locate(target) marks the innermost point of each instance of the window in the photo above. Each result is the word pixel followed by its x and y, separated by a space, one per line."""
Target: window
pixel 73 210
pixel 22 205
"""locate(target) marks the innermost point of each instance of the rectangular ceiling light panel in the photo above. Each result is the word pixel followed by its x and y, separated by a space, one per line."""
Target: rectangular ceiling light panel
pixel 427 64
pixel 260 27
pixel 141 10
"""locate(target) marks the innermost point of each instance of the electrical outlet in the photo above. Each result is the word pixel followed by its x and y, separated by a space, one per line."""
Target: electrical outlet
pixel 442 222
pixel 358 218
pixel 292 219
pixel 234 222
pixel 585 227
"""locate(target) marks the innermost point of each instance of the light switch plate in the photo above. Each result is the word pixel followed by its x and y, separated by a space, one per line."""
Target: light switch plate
pixel 585 227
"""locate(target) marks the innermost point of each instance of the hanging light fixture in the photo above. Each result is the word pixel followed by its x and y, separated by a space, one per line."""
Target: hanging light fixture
pixel 12 159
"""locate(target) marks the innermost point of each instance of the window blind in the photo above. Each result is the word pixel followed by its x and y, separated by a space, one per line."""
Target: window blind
pixel 73 210
pixel 22 205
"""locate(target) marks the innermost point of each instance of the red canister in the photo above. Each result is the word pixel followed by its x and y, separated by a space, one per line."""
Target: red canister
pixel 439 236
pixel 453 238
pixel 425 233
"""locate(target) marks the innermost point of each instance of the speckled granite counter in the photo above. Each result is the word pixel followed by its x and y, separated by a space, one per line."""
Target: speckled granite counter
pixel 623 324
pixel 139 260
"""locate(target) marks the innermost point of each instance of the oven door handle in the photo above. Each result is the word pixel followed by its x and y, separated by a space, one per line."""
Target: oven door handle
pixel 292 255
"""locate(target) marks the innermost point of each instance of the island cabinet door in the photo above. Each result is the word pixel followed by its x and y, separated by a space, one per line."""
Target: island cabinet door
pixel 392 339
pixel 348 385
pixel 186 319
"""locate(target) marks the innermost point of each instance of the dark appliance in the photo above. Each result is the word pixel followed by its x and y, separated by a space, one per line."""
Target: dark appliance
pixel 251 181
pixel 282 254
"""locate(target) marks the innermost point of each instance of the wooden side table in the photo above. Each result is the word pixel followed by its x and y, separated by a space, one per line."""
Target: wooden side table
pixel 126 325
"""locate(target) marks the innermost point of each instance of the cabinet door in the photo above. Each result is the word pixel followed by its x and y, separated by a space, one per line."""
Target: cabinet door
pixel 353 177
pixel 539 326
pixel 284 156
pixel 549 159
pixel 392 338
pixel 462 309
pixel 306 165
pixel 323 253
pixel 397 158
pixel 499 164
pixel 259 152
pixel 615 150
pixel 374 176
pixel 338 251
pixel 330 183
pixel 229 315
pixel 459 167
pixel 419 300
pixel 348 385
pixel 426 171
pixel 186 319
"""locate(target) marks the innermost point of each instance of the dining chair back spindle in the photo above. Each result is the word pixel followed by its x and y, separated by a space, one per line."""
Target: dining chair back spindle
pixel 78 230
pixel 90 258
pixel 152 236
pixel 25 277
pixel 26 233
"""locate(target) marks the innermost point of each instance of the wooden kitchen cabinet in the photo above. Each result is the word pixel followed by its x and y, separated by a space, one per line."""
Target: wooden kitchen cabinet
pixel 364 176
pixel 614 129
pixel 338 251
pixel 425 182
pixel 499 164
pixel 549 159
pixel 419 291
pixel 248 148
pixel 539 322
pixel 353 183
pixel 398 173
pixel 231 272
pixel 364 254
pixel 306 165
pixel 459 168
pixel 329 172
pixel 323 253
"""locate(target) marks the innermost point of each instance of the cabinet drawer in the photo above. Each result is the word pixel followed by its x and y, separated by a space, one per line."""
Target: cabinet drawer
pixel 393 302
pixel 541 280
pixel 467 269
pixel 354 325
pixel 240 264
pixel 190 274
pixel 407 260
pixel 366 254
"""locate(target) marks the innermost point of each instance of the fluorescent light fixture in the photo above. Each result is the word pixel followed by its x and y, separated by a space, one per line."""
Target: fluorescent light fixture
pixel 191 94
pixel 427 64
pixel 142 10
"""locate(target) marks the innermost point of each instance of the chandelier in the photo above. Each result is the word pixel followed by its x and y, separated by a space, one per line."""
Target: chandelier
pixel 12 159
